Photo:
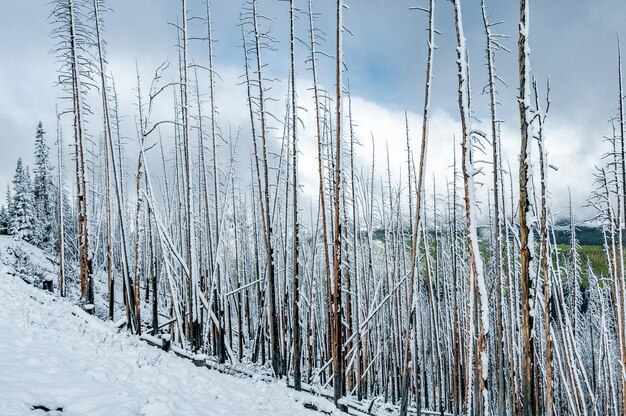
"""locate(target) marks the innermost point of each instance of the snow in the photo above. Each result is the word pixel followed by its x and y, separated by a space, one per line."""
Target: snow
pixel 53 354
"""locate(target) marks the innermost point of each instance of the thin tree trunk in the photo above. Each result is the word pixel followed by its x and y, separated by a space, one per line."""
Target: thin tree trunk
pixel 338 370
pixel 107 175
pixel 545 265
pixel 86 291
pixel 477 292
pixel 190 243
pixel 404 399
pixel 61 208
pixel 497 232
pixel 529 394
pixel 297 332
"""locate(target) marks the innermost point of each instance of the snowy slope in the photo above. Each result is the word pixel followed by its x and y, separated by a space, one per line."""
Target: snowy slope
pixel 53 354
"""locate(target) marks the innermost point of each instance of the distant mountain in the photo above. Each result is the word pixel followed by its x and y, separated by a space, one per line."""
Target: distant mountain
pixel 587 235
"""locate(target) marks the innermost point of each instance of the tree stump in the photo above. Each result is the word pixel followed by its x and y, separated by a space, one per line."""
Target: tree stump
pixel 167 342
pixel 200 360
pixel 90 308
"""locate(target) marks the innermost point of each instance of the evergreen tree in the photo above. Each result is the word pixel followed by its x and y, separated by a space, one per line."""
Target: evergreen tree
pixel 43 190
pixel 4 221
pixel 22 219
pixel 10 211
pixel 70 221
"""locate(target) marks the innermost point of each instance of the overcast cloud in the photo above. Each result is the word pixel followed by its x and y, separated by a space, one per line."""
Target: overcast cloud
pixel 572 41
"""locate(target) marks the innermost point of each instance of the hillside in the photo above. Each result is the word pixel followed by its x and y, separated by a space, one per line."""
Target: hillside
pixel 55 356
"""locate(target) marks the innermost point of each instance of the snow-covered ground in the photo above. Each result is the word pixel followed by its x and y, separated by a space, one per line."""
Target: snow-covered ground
pixel 54 355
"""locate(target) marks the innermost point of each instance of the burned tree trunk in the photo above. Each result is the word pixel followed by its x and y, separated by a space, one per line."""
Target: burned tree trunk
pixel 526 220
pixel 338 359
pixel 297 332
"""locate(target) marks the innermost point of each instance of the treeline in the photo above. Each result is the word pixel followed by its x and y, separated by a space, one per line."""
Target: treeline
pixel 385 290
pixel 32 200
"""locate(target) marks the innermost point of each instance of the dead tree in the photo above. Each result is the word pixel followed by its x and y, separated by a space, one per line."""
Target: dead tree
pixel 477 291
pixel 190 243
pixel 297 333
pixel 61 239
pixel 313 43
pixel 545 262
pixel 338 370
pixel 106 122
pixel 621 318
pixel 262 179
pixel 526 219
pixel 140 162
pixel 492 46
pixel 406 370
pixel 73 39
pixel 213 255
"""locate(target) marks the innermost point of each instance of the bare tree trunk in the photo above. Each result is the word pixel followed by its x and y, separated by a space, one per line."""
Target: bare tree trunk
pixel 192 263
pixel 261 293
pixel 111 168
pixel 297 332
pixel 338 370
pixel 221 348
pixel 86 290
pixel 622 317
pixel 119 200
pixel 477 292
pixel 240 336
pixel 107 174
pixel 61 208
pixel 495 143
pixel 153 275
pixel 545 265
pixel 404 398
pixel 529 394
pixel 318 125
pixel 263 187
pixel 140 169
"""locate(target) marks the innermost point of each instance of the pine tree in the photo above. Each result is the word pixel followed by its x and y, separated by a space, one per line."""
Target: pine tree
pixel 10 212
pixel 4 221
pixel 22 219
pixel 42 190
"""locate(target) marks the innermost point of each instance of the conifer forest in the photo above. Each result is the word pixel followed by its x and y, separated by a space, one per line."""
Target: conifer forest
pixel 296 249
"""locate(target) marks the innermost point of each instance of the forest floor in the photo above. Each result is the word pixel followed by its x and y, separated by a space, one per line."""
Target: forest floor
pixel 55 359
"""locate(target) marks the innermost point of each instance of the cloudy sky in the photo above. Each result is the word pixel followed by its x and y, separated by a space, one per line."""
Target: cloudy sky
pixel 573 42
